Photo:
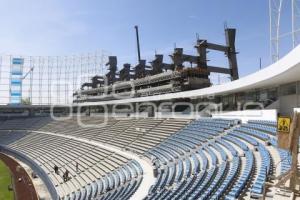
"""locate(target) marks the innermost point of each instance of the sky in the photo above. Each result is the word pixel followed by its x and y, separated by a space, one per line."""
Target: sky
pixel 68 27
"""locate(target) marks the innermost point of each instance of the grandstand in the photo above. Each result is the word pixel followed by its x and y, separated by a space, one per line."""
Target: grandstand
pixel 159 132
pixel 204 159
pixel 180 150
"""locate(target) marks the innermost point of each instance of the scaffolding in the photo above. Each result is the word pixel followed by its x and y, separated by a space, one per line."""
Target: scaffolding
pixel 275 10
pixel 274 15
pixel 295 22
pixel 49 80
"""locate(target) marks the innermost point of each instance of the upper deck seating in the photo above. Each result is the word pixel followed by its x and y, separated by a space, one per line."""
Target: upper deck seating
pixel 23 123
pixel 137 135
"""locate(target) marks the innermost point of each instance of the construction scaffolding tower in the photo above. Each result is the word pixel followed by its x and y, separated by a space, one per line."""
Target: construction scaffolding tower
pixel 47 80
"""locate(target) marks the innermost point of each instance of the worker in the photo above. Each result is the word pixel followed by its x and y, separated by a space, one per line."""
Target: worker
pixel 66 176
pixel 56 170
pixel 77 167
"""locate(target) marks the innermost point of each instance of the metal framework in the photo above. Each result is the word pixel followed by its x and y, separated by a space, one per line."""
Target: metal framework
pixel 295 22
pixel 274 15
pixel 51 79
pixel 275 9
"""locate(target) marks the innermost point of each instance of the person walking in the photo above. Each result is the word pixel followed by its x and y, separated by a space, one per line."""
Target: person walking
pixel 66 176
pixel 77 167
pixel 56 169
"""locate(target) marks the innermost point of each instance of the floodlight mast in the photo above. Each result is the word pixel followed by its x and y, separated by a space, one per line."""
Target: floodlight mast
pixel 295 22
pixel 275 8
pixel 274 17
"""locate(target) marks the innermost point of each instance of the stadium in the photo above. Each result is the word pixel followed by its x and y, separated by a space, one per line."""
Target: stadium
pixel 86 127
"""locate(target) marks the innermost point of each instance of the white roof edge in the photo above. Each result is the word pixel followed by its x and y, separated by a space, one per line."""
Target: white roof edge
pixel 286 70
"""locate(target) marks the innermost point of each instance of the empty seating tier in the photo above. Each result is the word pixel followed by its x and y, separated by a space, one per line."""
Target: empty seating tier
pixel 138 135
pixel 195 159
pixel 98 172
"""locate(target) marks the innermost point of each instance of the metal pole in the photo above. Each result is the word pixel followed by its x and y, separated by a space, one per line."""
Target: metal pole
pixel 277 31
pixel 66 77
pixel 21 86
pixel 74 73
pixel 102 63
pixel 89 66
pixel 274 17
pixel 10 63
pixel 259 63
pixel 50 80
pixel 293 23
pixel 40 80
pixel 138 42
pixel 57 80
pixel 31 80
pixel 95 63
pixel 81 72
pixel 270 29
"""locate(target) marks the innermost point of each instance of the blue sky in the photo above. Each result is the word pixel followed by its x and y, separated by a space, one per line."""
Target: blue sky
pixel 65 27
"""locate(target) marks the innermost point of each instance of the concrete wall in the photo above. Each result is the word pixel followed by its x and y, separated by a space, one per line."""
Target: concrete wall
pixel 274 105
pixel 288 103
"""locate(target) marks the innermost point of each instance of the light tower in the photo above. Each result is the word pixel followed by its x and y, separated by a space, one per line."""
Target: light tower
pixel 275 8
pixel 274 15
pixel 295 22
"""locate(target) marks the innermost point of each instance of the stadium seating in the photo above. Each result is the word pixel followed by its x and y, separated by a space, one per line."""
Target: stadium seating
pixel 100 172
pixel 136 135
pixel 195 159
pixel 218 175
pixel 24 123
